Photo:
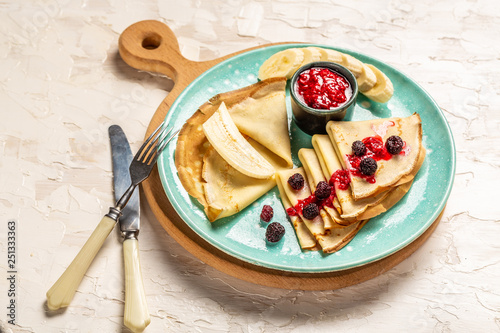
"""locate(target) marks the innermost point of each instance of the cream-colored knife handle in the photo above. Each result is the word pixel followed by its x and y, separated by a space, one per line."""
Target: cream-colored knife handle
pixel 62 292
pixel 136 316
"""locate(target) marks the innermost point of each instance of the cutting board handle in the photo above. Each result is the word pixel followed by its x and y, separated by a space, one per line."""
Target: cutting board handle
pixel 152 46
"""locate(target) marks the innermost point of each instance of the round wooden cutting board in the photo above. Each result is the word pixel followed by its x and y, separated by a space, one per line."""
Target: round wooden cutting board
pixel 152 46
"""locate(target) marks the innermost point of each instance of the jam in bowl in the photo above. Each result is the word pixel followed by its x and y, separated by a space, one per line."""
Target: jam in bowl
pixel 321 91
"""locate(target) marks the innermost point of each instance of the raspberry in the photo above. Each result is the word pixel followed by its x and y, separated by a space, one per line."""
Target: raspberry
pixel 296 181
pixel 274 232
pixel 267 213
pixel 358 148
pixel 310 211
pixel 394 144
pixel 368 166
pixel 323 190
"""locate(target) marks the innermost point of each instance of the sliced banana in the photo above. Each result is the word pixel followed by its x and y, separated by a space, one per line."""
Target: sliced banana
pixel 371 81
pixel 283 63
pixel 366 80
pixel 352 64
pixel 334 56
pixel 383 89
pixel 323 53
pixel 224 136
pixel 311 54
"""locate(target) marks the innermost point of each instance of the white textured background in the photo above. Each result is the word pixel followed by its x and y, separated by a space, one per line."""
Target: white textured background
pixel 62 83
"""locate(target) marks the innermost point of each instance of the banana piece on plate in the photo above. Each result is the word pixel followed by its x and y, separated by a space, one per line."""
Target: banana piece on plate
pixel 323 53
pixel 383 89
pixel 366 80
pixel 311 54
pixel 283 63
pixel 352 64
pixel 224 136
pixel 334 56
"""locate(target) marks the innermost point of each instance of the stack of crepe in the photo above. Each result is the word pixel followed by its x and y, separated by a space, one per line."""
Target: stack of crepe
pixel 259 113
pixel 336 226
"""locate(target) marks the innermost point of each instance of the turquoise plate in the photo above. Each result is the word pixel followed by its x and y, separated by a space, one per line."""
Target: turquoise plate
pixel 243 235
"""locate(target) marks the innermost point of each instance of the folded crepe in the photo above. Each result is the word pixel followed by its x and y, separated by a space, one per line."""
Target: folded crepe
pixel 314 173
pixel 330 163
pixel 306 240
pixel 393 172
pixel 362 209
pixel 228 191
pixel 263 117
pixel 258 109
pixel 330 240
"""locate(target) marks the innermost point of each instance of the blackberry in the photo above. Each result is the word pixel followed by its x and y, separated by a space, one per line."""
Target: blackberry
pixel 323 190
pixel 358 148
pixel 296 181
pixel 394 145
pixel 310 211
pixel 267 213
pixel 368 166
pixel 274 232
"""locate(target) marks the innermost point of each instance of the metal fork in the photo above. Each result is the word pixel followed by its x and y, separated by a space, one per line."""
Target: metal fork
pixel 62 292
pixel 142 164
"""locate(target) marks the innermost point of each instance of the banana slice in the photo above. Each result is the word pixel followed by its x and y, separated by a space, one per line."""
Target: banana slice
pixel 283 63
pixel 366 80
pixel 383 89
pixel 323 53
pixel 311 54
pixel 352 64
pixel 334 56
pixel 224 136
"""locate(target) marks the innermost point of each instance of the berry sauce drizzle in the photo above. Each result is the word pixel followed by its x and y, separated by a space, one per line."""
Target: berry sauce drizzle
pixel 341 179
pixel 297 209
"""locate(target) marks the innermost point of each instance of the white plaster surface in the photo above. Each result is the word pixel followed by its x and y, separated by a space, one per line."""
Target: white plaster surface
pixel 62 83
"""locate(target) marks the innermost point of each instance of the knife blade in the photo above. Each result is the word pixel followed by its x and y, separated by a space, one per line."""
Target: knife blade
pixel 136 314
pixel 122 157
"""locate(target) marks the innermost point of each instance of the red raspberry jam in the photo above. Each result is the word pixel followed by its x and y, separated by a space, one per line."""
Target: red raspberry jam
pixel 297 209
pixel 292 211
pixel 341 179
pixel 322 88
pixel 375 148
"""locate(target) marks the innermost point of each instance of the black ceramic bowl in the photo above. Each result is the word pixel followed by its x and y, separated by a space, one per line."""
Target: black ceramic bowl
pixel 311 120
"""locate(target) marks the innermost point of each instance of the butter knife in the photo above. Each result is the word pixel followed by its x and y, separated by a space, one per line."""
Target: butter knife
pixel 136 315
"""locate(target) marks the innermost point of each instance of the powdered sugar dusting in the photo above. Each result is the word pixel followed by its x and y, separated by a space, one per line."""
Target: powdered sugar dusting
pixel 406 150
pixel 381 130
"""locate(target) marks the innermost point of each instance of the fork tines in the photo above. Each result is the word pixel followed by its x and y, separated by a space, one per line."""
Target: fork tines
pixel 154 144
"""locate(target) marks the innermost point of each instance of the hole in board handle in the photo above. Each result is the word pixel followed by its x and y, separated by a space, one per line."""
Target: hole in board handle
pixel 151 41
